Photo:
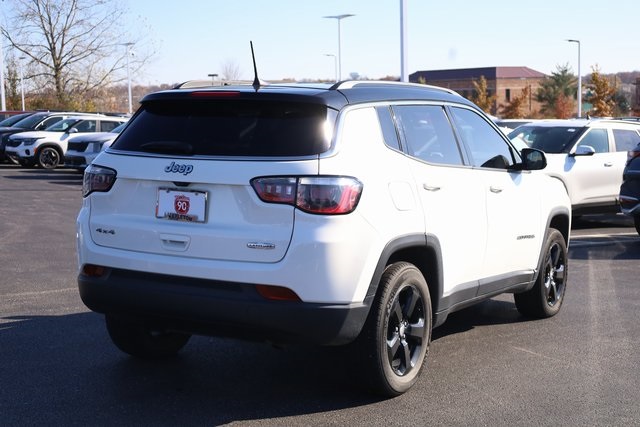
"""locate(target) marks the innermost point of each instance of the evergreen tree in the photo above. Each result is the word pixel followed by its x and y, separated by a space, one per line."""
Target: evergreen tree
pixel 556 91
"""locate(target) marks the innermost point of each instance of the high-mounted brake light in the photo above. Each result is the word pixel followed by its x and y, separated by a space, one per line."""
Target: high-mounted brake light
pixel 324 195
pixel 215 94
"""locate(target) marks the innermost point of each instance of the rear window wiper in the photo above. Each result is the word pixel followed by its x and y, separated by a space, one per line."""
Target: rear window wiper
pixel 168 147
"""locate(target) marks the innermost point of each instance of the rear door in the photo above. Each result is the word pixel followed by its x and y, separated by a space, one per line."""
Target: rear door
pixel 453 200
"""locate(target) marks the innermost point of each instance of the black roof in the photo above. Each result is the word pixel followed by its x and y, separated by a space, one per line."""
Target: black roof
pixel 336 95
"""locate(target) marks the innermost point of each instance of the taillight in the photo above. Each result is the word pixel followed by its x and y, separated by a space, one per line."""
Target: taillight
pixel 325 195
pixel 97 178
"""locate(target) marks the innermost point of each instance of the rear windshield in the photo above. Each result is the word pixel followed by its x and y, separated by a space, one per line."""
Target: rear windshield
pixel 557 139
pixel 227 128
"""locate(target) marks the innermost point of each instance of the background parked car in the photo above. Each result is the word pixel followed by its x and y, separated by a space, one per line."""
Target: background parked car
pixel 630 188
pixel 81 150
pixel 510 124
pixel 47 148
pixel 588 156
pixel 36 121
pixel 11 120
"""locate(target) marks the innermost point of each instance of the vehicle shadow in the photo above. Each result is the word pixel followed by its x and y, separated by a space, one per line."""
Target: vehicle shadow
pixel 586 222
pixel 490 312
pixel 54 176
pixel 64 370
pixel 605 248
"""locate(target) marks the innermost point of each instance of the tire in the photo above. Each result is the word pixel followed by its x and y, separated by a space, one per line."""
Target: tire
pixel 138 339
pixel 636 223
pixel 394 342
pixel 546 297
pixel 49 158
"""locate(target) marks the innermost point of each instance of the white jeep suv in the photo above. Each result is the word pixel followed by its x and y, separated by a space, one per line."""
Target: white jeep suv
pixel 362 212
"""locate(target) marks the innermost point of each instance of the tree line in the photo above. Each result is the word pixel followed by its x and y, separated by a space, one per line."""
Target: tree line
pixel 557 96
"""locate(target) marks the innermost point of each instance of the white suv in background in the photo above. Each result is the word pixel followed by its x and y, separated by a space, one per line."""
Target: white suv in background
pixel 81 150
pixel 47 148
pixel 362 212
pixel 588 156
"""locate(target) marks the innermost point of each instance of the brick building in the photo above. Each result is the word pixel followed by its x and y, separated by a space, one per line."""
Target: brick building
pixel 505 83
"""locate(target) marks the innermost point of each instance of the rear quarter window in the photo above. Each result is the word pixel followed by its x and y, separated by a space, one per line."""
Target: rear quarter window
pixel 228 128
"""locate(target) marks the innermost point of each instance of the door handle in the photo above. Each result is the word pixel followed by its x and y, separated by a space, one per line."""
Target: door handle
pixel 430 187
pixel 495 190
pixel 608 165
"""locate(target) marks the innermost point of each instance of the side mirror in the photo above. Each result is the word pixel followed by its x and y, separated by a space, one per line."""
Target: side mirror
pixel 532 160
pixel 583 150
pixel 72 130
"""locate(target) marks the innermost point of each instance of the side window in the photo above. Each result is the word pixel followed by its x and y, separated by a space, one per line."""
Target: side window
pixel 48 122
pixel 86 126
pixel 487 148
pixel 107 126
pixel 596 138
pixel 388 128
pixel 626 139
pixel 428 133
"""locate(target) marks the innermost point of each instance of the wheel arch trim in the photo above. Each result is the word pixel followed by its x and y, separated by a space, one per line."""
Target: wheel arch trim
pixel 421 250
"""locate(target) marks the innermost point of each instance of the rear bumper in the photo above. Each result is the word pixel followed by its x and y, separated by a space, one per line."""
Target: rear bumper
pixel 211 307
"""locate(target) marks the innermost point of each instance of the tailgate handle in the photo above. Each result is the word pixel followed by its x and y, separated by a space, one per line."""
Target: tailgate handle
pixel 175 242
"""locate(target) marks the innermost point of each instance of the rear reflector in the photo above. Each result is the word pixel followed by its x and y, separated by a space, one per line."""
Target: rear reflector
pixel 93 270
pixel 277 293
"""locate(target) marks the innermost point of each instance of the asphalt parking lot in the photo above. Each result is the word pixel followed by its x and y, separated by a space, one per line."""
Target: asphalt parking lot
pixel 487 365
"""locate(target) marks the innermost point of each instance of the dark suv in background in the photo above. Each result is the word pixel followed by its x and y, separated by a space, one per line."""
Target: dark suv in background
pixel 630 188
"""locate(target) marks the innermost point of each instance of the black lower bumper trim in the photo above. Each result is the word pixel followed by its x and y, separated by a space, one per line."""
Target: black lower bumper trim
pixel 211 307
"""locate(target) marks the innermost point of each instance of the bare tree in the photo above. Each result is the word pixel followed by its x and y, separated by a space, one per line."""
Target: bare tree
pixel 74 47
pixel 230 71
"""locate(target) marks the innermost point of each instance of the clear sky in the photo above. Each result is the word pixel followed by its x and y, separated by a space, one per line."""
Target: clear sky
pixel 194 38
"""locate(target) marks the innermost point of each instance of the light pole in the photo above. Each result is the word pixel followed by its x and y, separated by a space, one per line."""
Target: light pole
pixel 128 46
pixel 403 42
pixel 579 78
pixel 335 64
pixel 213 78
pixel 339 18
pixel 21 59
pixel 3 102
